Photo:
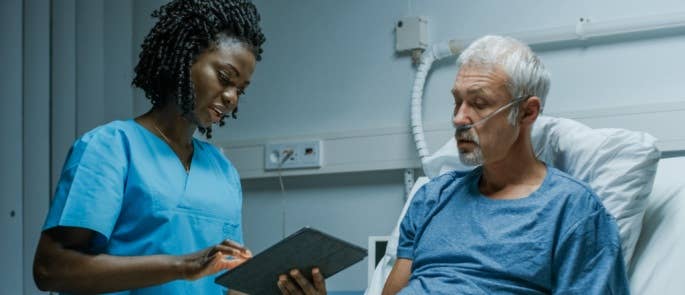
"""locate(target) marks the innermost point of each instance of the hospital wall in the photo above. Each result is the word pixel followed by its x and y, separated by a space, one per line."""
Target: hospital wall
pixel 330 67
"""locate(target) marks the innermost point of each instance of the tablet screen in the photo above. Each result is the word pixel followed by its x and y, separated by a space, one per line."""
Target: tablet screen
pixel 305 249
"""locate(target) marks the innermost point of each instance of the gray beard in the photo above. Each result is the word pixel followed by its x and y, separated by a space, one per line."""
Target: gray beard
pixel 474 158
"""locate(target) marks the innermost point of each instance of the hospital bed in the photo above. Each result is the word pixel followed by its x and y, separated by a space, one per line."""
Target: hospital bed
pixel 644 192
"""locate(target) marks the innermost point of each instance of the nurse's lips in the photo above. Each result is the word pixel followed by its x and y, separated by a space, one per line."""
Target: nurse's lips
pixel 218 110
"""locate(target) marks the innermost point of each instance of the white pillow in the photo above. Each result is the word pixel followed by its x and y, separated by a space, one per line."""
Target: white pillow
pixel 619 165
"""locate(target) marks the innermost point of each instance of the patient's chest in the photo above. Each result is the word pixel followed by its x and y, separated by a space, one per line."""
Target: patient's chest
pixel 471 238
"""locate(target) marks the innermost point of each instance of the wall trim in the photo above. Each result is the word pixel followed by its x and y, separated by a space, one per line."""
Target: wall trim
pixel 393 148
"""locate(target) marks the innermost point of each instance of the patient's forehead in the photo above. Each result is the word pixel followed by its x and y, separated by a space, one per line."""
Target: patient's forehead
pixel 479 80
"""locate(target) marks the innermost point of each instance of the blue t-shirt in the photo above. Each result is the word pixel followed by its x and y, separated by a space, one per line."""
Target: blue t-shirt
pixel 128 185
pixel 558 240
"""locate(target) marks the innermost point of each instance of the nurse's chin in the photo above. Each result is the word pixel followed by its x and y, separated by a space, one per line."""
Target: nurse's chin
pixel 206 123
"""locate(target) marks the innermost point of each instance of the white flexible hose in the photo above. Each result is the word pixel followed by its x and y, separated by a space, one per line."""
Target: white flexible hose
pixel 435 52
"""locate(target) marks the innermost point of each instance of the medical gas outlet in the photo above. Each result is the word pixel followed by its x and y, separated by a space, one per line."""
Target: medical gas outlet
pixel 293 155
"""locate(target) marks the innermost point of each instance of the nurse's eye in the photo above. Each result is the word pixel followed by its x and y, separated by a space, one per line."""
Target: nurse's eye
pixel 224 78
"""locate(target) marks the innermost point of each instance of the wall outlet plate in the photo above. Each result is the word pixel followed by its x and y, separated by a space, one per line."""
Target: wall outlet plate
pixel 293 155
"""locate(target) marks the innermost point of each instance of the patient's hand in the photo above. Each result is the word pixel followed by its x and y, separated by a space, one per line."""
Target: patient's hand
pixel 303 286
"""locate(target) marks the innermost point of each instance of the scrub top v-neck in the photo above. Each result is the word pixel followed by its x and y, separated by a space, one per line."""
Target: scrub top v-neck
pixel 126 184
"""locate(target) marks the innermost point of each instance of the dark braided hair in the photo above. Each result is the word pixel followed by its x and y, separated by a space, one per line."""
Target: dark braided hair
pixel 185 29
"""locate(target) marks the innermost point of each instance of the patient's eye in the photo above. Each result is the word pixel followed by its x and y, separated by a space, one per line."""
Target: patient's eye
pixel 480 104
pixel 457 106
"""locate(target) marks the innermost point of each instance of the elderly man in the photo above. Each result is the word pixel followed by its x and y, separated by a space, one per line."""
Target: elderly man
pixel 513 225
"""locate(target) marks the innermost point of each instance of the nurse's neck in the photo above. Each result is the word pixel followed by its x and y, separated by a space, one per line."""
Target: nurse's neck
pixel 171 124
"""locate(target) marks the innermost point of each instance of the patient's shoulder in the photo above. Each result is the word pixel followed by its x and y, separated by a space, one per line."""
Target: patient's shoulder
pixel 443 186
pixel 576 196
pixel 560 182
pixel 449 179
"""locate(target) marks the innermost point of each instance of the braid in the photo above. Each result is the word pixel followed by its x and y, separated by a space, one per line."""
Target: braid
pixel 186 28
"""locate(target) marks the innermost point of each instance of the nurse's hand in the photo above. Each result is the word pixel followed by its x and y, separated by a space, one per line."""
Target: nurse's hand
pixel 214 259
pixel 303 286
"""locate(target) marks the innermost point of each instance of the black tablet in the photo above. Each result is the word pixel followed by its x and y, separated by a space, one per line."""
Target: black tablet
pixel 305 249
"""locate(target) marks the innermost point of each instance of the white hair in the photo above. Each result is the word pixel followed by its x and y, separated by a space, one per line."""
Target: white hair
pixel 526 74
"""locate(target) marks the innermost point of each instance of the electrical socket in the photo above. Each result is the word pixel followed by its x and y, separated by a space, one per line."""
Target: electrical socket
pixel 293 155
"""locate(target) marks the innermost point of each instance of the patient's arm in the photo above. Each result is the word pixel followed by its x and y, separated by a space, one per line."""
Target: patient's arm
pixel 588 259
pixel 398 278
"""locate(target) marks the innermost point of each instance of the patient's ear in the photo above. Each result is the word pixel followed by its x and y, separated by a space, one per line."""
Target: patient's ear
pixel 530 110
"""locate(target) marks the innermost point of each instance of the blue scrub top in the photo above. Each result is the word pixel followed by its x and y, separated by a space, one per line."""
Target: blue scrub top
pixel 126 184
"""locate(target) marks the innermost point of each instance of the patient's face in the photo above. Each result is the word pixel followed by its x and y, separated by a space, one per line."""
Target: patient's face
pixel 478 91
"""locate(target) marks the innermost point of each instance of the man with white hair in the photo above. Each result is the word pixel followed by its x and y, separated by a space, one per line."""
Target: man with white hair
pixel 513 225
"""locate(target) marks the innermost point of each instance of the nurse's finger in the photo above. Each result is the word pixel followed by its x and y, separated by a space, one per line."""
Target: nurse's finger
pixel 233 251
pixel 286 286
pixel 319 281
pixel 303 282
pixel 245 252
pixel 231 263
pixel 281 287
pixel 231 243
pixel 215 264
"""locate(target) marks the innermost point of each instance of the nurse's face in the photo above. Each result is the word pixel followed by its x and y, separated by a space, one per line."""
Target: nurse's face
pixel 220 75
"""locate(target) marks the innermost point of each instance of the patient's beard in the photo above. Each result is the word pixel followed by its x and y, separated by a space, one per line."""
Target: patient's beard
pixel 474 157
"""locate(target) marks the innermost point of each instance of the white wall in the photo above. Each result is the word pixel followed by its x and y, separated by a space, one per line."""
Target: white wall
pixel 329 67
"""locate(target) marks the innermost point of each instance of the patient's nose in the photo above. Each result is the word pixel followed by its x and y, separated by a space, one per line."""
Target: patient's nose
pixel 460 117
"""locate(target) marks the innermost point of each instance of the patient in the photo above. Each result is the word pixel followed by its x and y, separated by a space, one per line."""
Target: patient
pixel 513 225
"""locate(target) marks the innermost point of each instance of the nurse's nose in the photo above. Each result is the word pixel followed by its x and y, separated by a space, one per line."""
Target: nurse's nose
pixel 230 97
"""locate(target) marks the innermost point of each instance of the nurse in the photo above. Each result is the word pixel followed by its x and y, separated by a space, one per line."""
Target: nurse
pixel 141 206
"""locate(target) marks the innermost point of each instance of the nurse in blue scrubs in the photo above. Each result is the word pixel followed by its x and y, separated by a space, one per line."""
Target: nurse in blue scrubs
pixel 141 206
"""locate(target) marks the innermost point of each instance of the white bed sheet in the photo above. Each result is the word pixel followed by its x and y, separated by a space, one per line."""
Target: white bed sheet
pixel 659 260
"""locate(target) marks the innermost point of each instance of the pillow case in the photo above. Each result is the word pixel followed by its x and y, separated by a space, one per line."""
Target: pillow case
pixel 618 164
